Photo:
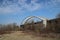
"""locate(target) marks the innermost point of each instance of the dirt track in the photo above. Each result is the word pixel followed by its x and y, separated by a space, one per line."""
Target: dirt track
pixel 21 36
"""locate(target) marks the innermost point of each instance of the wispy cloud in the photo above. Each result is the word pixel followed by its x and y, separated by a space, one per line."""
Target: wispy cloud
pixel 11 6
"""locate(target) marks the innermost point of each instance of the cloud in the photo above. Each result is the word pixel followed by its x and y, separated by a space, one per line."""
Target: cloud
pixel 54 2
pixel 11 6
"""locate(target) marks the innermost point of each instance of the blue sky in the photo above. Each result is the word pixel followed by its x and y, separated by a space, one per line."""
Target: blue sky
pixel 14 11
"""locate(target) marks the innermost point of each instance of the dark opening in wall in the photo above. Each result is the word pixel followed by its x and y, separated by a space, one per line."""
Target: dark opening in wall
pixel 56 21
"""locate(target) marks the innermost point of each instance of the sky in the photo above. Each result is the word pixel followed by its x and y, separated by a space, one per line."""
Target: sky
pixel 15 11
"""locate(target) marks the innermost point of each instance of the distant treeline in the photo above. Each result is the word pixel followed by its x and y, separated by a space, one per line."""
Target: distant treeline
pixel 8 28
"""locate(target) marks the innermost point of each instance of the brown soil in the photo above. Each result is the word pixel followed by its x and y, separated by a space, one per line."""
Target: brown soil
pixel 19 35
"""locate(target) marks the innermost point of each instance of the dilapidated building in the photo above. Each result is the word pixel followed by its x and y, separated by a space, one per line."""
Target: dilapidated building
pixel 53 25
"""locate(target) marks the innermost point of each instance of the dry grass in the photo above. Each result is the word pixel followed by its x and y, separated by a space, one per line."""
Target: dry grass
pixel 18 35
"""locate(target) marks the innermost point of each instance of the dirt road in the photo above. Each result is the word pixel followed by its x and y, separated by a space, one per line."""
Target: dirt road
pixel 21 36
